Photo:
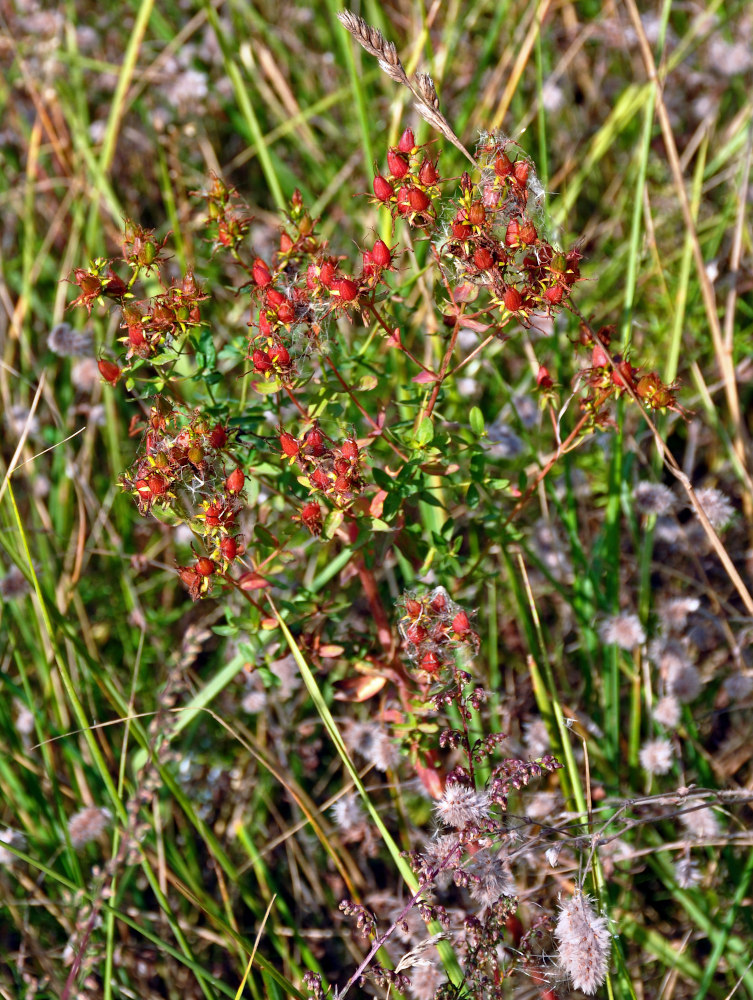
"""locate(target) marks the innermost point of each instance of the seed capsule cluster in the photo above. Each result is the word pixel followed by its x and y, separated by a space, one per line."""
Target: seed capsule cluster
pixel 433 627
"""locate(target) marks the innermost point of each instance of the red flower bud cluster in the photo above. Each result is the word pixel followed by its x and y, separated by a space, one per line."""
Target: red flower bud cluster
pixel 497 243
pixel 96 284
pixel 335 472
pixel 226 213
pixel 141 248
pixel 181 470
pixel 433 627
pixel 411 184
pixel 610 375
pixel 166 316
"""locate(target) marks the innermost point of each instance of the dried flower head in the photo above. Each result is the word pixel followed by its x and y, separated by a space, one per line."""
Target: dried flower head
pixel 348 813
pixel 716 506
pixel 425 980
pixel 656 756
pixel 88 825
pixel 701 823
pixel 16 839
pixel 461 806
pixel 85 375
pixel 623 630
pixel 738 686
pixel 67 342
pixel 686 873
pixel 490 878
pixel 667 711
pixel 373 743
pixel 674 614
pixel 654 498
pixel 584 943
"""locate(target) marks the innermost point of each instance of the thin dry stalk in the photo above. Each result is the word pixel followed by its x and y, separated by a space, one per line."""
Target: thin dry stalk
pixel 422 87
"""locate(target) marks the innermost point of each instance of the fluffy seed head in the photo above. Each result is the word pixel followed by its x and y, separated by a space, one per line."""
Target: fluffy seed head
pixel 87 825
pixel 701 823
pixel 584 943
pixel 15 838
pixel 667 712
pixel 654 498
pixel 623 630
pixel 656 756
pixel 491 880
pixel 716 506
pixel 67 342
pixel 460 806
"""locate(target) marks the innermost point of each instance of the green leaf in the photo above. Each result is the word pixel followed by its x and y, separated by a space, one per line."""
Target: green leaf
pixel 472 496
pixel 267 388
pixel 425 432
pixel 477 421
pixel 367 383
pixel 332 522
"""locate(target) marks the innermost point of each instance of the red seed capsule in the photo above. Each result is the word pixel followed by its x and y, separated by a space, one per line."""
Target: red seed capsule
pixel 212 514
pixel 512 234
pixel 311 515
pixel 350 449
pixel 320 479
pixel 341 466
pixel 157 484
pixel 428 174
pixel 407 141
pixel 108 370
pixel 286 244
pixel 476 214
pixel 430 662
pixel 543 378
pixel 229 548
pixel 599 357
pixel 461 230
pixel 234 482
pixel 346 288
pixel 275 298
pixel 286 312
pixel 327 273
pixel 288 444
pixel 419 200
pixel 512 299
pixel 460 623
pixel 553 295
pixel 483 259
pixel 381 254
pixel 312 275
pixel 520 170
pixel 218 436
pixel 265 327
pixel 314 442
pixel 403 203
pixel 412 607
pixel 260 273
pixel 382 188
pixel 204 566
pixel 342 484
pixel 280 355
pixel 261 360
pixel 439 603
pixel 416 633
pixel 397 163
pixel 502 166
pixel 527 233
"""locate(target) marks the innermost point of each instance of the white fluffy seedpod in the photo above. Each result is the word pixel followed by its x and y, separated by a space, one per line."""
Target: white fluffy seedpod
pixel 584 943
